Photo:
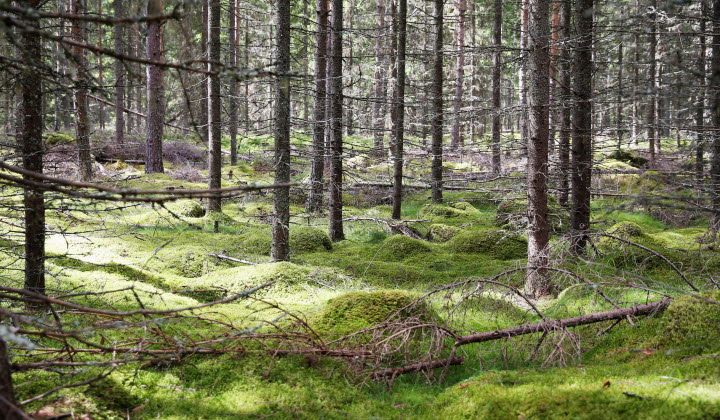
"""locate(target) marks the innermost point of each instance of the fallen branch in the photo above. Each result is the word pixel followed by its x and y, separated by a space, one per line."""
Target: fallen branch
pixel 397 226
pixel 563 323
pixel 225 257
pixel 418 367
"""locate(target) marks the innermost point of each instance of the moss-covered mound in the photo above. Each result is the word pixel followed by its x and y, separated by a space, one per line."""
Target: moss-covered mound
pixel 54 139
pixel 499 244
pixel 398 247
pixel 631 232
pixel 693 323
pixel 464 206
pixel 439 211
pixel 442 233
pixel 629 158
pixel 357 310
pixel 187 208
pixel 309 239
pixel 257 242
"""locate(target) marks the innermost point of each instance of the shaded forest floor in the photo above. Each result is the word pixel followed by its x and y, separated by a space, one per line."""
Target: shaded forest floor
pixel 667 365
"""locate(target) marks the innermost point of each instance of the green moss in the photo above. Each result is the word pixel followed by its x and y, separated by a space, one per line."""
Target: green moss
pixel 187 208
pixel 631 232
pixel 693 323
pixel 218 216
pixel 354 311
pixel 628 157
pixel 399 247
pixel 439 211
pixel 257 242
pixel 256 209
pixel 309 239
pixel 54 139
pixel 498 244
pixel 464 206
pixel 442 233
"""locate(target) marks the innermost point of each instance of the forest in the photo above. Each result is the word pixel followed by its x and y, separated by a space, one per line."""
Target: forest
pixel 364 209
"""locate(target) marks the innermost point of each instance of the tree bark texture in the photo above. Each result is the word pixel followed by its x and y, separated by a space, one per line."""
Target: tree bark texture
pixel 233 99
pixel 437 106
pixel 82 125
pixel 380 80
pixel 336 231
pixel 119 35
pixel 457 136
pixel 566 98
pixel 214 104
pixel 155 91
pixel 496 87
pixel 399 128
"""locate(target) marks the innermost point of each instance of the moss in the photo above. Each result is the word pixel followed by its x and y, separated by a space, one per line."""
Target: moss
pixel 54 139
pixel 498 244
pixel 256 209
pixel 629 158
pixel 187 208
pixel 218 216
pixel 439 211
pixel 354 311
pixel 693 323
pixel 257 243
pixel 631 232
pixel 309 239
pixel 464 206
pixel 399 247
pixel 442 233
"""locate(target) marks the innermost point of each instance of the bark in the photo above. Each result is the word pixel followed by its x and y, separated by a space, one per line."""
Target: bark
pixel 281 221
pixel 314 200
pixel 700 101
pixel 101 70
pixel 82 125
pixel 214 104
pixel 555 324
pixel 399 120
pixel 437 106
pixel 523 76
pixel 457 137
pixel 566 103
pixel 119 35
pixel 335 222
pixel 380 80
pixel 155 91
pixel 636 84
pixel 233 99
pixel 8 404
pixel 349 117
pixel 418 367
pixel 652 85
pixel 32 155
pixel 715 84
pixel 582 127
pixel 204 86
pixel 537 281
pixel 619 105
pixel 496 86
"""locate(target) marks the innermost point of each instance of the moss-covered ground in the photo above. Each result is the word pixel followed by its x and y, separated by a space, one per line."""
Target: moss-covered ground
pixel 664 366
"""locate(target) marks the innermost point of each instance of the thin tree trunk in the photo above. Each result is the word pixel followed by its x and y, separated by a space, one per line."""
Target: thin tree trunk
pixel 214 104
pixel 566 98
pixel 82 125
pixel 380 81
pixel 619 105
pixel 715 84
pixel 336 231
pixel 537 281
pixel 554 37
pixel 437 106
pixel 398 129
pixel 8 405
pixel 349 117
pixel 314 200
pixel 155 91
pixel 457 137
pixel 32 155
pixel 101 69
pixel 496 88
pixel 700 102
pixel 281 220
pixel 119 35
pixel 652 86
pixel 205 85
pixel 523 77
pixel 233 108
pixel 636 84
pixel 582 127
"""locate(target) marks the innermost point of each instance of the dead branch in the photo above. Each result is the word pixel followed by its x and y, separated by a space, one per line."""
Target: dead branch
pixel 225 257
pixel 418 367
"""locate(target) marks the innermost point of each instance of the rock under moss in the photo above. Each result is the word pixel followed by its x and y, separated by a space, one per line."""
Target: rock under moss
pixel 439 211
pixel 693 323
pixel 354 311
pixel 499 244
pixel 464 206
pixel 55 139
pixel 398 247
pixel 629 158
pixel 309 239
pixel 442 233
pixel 187 208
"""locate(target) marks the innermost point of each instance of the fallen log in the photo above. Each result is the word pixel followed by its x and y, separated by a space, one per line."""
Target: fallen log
pixel 563 323
pixel 418 367
pixel 227 258
pixel 396 226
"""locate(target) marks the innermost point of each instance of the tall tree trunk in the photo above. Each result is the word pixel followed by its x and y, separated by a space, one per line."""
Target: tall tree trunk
pixel 336 231
pixel 619 104
pixel 636 83
pixel 82 125
pixel 457 136
pixel 205 85
pixel 566 98
pixel 155 91
pixel 8 405
pixel 119 35
pixel 399 128
pixel 281 221
pixel 523 76
pixel 349 117
pixel 380 80
pixel 554 38
pixel 214 104
pixel 537 280
pixel 32 155
pixel 131 33
pixel 101 69
pixel 700 101
pixel 582 127
pixel 652 85
pixel 314 200
pixel 715 84
pixel 233 111
pixel 437 106
pixel 496 86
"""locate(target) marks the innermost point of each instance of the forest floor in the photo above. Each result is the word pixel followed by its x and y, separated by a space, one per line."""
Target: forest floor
pixel 666 365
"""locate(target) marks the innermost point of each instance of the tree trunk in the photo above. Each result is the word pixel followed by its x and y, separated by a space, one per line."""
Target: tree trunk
pixel 652 85
pixel 214 104
pixel 715 84
pixel 281 221
pixel 205 85
pixel 336 231
pixel 523 77
pixel 8 404
pixel 619 105
pixel 537 281
pixel 566 98
pixel 314 200
pixel 82 126
pixel 457 137
pixel 233 108
pixel 496 86
pixel 380 81
pixel 437 107
pixel 398 129
pixel 636 84
pixel 119 35
pixel 101 70
pixel 155 91
pixel 349 117
pixel 582 127
pixel 700 102
pixel 32 155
